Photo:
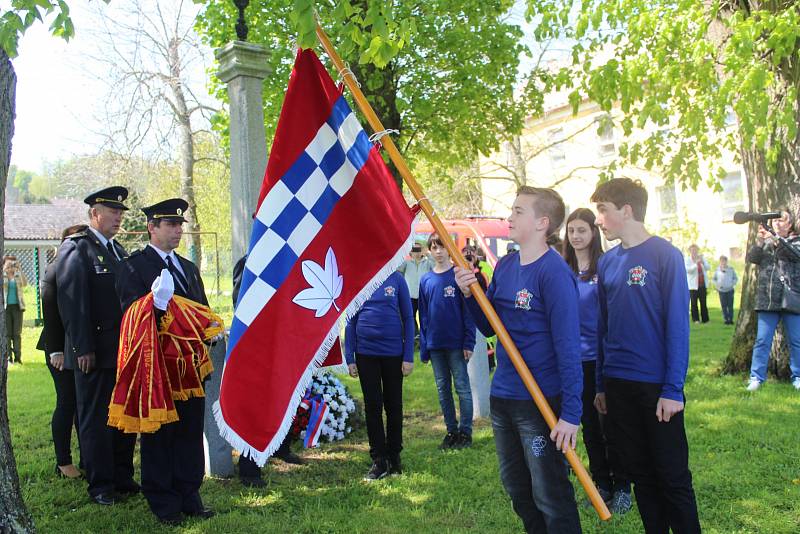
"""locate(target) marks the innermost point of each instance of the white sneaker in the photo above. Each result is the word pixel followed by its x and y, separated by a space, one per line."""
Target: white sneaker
pixel 754 384
pixel 796 383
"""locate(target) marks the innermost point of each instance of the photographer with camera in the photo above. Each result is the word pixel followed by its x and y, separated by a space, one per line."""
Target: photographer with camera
pixel 13 283
pixel 778 288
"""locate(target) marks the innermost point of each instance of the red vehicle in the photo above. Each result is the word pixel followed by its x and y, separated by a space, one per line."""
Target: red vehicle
pixel 487 233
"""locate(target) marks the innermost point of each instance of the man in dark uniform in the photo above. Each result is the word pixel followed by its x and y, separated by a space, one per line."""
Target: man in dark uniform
pixel 90 310
pixel 173 462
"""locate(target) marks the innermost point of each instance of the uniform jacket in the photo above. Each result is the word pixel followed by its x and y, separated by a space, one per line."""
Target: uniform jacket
pixel 771 260
pixel 87 299
pixel 141 268
pixel 52 337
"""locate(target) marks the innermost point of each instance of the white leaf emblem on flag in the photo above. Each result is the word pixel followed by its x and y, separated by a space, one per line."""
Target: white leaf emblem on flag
pixel 326 285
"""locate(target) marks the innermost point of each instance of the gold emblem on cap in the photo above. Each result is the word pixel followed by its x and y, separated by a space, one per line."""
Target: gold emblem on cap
pixel 179 211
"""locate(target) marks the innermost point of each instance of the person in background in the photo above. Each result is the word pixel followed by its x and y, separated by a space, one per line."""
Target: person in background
pixel 697 268
pixel 249 472
pixel 582 250
pixel 777 269
pixel 725 280
pixel 13 284
pixel 51 341
pixel 413 269
pixel 471 255
pixel 379 349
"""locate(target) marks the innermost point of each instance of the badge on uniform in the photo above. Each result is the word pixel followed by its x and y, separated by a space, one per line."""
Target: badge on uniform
pixel 388 291
pixel 449 291
pixel 637 275
pixel 523 300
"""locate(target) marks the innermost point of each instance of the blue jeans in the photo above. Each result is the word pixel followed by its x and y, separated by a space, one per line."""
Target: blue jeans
pixel 447 363
pixel 767 323
pixel 726 302
pixel 533 472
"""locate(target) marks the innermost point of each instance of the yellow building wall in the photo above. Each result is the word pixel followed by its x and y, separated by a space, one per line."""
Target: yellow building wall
pixel 702 215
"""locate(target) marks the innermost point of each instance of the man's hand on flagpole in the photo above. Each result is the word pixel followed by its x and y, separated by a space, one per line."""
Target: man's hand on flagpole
pixel 565 435
pixel 408 367
pixel 353 370
pixel 465 277
pixel 163 288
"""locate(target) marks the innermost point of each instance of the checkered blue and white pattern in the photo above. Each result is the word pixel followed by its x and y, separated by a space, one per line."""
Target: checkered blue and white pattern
pixel 296 207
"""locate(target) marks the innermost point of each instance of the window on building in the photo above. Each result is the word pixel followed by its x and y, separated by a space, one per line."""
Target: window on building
pixel 667 201
pixel 605 136
pixel 555 142
pixel 732 195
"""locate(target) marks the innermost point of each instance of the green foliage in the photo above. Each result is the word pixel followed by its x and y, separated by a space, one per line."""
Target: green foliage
pixel 24 13
pixel 695 60
pixel 442 72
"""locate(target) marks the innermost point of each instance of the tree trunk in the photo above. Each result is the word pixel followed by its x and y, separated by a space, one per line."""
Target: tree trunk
pixel 14 516
pixel 767 192
pixel 183 118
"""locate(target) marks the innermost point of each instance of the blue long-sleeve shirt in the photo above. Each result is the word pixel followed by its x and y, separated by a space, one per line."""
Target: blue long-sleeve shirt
pixel 643 328
pixel 538 305
pixel 384 326
pixel 589 308
pixel 444 322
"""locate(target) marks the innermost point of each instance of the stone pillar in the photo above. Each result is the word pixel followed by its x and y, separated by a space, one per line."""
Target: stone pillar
pixel 219 462
pixel 479 382
pixel 243 67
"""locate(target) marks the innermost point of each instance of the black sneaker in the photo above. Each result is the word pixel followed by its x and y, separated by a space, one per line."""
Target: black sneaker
pixel 449 441
pixel 377 471
pixel 290 458
pixel 395 467
pixel 463 441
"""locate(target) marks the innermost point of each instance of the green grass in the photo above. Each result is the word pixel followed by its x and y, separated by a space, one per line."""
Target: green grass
pixel 743 453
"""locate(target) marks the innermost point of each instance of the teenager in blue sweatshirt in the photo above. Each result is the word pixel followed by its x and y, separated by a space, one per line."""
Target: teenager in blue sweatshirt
pixel 643 357
pixel 582 250
pixel 447 339
pixel 379 350
pixel 535 294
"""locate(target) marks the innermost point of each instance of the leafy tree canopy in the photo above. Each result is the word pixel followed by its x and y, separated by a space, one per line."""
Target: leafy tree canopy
pixel 442 72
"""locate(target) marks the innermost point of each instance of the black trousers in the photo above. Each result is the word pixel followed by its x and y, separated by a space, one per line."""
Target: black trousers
pixel 654 454
pixel 699 295
pixel 249 468
pixel 594 438
pixel 173 462
pixel 14 332
pixel 381 380
pixel 64 414
pixel 107 453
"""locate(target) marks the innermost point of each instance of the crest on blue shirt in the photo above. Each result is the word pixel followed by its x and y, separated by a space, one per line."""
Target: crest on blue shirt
pixel 388 291
pixel 637 275
pixel 523 300
pixel 593 280
pixel 449 291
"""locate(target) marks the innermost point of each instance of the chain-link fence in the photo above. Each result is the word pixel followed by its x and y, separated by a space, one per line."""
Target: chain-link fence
pixel 34 256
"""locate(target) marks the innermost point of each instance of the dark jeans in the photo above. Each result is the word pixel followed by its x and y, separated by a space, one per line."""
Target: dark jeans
pixel 64 414
pixel 699 295
pixel 446 364
pixel 604 463
pixel 533 472
pixel 107 453
pixel 381 380
pixel 726 302
pixel 655 455
pixel 14 332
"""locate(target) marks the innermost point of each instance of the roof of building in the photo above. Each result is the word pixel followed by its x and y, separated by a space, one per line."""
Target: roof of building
pixel 42 221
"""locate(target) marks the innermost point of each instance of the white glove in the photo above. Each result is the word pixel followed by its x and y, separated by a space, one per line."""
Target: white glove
pixel 163 288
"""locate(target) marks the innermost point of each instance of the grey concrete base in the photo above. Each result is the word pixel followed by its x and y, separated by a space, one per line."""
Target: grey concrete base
pixel 219 462
pixel 479 381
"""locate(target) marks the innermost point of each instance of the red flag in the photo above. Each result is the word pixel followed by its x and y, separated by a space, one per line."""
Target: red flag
pixel 331 226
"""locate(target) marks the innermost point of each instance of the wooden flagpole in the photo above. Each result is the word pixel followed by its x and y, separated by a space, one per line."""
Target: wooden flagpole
pixel 455 254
